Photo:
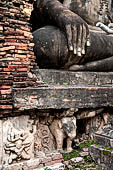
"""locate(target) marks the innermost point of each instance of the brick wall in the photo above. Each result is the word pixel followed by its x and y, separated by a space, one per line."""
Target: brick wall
pixel 16 49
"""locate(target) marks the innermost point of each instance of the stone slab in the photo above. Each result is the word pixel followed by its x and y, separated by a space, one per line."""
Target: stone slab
pixel 62 97
pixel 57 166
pixel 103 140
pixel 25 165
pixel 59 77
pixel 102 156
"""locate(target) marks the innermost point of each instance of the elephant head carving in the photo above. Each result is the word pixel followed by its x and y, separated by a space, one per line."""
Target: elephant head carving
pixel 64 128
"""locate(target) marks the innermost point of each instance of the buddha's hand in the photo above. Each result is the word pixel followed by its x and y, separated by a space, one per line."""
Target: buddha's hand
pixel 77 32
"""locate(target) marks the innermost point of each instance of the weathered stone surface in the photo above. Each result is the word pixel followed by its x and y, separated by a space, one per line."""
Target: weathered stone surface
pixel 26 142
pixel 102 156
pixel 102 151
pixel 64 128
pixel 58 97
pixel 30 164
pixel 85 114
pixel 65 89
pixel 44 140
pixel 93 124
pixel 60 77
pixel 76 160
pixel 18 139
pixel 103 140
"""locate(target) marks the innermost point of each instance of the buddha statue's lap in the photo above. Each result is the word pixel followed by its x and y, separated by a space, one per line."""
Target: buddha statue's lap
pixel 70 46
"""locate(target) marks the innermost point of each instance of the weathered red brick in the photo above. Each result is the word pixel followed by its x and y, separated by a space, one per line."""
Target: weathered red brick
pixel 5 91
pixel 22 47
pixel 11 40
pixel 27 34
pixel 1 28
pixel 20 84
pixel 6 82
pixel 5 87
pixel 30 56
pixel 23 74
pixel 8 29
pixel 3 8
pixel 20 79
pixel 17 66
pixel 15 44
pixel 21 51
pixel 17 22
pixel 11 67
pixel 7 33
pixel 6 97
pixel 15 37
pixel 8 69
pixel 5 111
pixel 22 69
pixel 25 28
pixel 20 55
pixel 2 53
pixel 7 48
pixel 12 10
pixel 6 106
pixel 7 102
pixel 15 63
pixel 2 37
pixel 6 77
pixel 31 45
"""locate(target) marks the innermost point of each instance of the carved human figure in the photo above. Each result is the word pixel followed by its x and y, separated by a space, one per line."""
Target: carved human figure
pixel 64 128
pixel 71 41
pixel 20 144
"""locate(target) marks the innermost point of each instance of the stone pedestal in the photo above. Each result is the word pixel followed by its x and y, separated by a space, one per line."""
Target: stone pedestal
pixel 26 139
pixel 65 89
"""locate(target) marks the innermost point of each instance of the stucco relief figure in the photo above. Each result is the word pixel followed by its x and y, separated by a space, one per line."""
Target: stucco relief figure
pixel 64 128
pixel 66 36
pixel 44 140
pixel 20 144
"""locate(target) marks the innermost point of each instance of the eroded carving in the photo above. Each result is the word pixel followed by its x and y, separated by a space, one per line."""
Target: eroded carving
pixel 64 128
pixel 66 113
pixel 44 140
pixel 18 141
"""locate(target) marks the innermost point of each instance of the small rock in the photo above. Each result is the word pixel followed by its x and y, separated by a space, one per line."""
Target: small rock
pixel 85 149
pixel 76 141
pixel 79 159
pixel 66 163
pixel 84 154
pixel 76 160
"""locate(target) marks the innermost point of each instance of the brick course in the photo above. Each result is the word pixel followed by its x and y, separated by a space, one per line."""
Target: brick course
pixel 16 49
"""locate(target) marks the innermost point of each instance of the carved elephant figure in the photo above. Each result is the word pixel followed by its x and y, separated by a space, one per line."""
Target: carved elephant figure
pixel 64 128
